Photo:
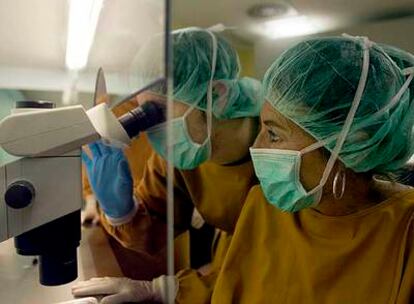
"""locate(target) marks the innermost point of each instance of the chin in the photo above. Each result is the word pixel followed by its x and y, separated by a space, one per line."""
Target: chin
pixel 228 159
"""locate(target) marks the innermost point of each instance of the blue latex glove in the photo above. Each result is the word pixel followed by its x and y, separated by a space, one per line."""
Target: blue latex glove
pixel 110 179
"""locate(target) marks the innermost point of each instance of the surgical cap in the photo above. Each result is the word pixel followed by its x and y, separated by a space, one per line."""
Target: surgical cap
pixel 314 83
pixel 192 50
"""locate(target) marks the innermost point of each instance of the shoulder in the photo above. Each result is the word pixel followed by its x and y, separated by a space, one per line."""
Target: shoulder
pixel 397 208
pixel 397 195
pixel 156 163
pixel 255 198
pixel 403 199
pixel 256 192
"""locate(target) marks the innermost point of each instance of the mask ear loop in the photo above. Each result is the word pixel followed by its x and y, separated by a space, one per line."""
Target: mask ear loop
pixel 209 110
pixel 312 147
pixel 210 89
pixel 349 119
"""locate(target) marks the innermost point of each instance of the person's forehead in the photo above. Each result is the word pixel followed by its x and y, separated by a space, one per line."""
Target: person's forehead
pixel 267 110
pixel 269 113
pixel 149 96
pixel 271 116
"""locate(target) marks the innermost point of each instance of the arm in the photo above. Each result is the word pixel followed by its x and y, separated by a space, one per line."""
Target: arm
pixel 139 225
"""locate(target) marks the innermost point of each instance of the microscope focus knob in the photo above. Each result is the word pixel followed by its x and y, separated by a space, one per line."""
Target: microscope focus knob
pixel 19 194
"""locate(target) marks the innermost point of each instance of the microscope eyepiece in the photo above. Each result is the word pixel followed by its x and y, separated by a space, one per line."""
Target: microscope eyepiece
pixel 143 117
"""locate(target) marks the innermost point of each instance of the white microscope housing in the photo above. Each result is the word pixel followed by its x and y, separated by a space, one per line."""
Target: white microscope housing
pixel 41 188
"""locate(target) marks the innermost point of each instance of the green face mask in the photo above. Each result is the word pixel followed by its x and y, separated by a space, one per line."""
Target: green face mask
pixel 279 174
pixel 186 154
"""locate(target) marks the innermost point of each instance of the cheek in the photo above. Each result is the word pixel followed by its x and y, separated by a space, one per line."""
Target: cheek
pixel 178 111
pixel 222 137
pixel 217 143
pixel 196 126
pixel 311 169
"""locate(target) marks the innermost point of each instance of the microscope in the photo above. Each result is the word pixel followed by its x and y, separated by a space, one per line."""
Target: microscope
pixel 41 189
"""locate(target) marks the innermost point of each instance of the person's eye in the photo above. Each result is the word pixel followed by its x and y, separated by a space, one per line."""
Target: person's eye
pixel 273 137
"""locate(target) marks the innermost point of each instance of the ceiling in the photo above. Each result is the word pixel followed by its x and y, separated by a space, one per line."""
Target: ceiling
pixel 335 13
pixel 387 21
pixel 392 32
pixel 33 33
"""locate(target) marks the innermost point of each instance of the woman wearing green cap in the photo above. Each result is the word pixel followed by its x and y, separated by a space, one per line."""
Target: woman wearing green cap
pixel 321 228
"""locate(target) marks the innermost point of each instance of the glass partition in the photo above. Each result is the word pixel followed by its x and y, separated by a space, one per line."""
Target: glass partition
pixel 50 61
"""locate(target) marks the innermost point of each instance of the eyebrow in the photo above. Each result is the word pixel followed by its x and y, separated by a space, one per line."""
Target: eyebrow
pixel 273 124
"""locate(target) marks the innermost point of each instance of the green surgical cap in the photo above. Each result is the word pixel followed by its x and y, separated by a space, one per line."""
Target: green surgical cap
pixel 192 50
pixel 233 97
pixel 314 83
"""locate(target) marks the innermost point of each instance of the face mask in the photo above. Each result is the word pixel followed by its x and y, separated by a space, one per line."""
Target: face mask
pixel 279 174
pixel 279 170
pixel 186 154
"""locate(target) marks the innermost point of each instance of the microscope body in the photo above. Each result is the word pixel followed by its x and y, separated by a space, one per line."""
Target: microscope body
pixel 41 190
pixel 41 210
pixel 55 186
pixel 43 181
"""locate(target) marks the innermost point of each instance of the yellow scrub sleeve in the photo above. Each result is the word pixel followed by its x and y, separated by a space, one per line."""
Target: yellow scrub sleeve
pixel 218 193
pixel 307 257
pixel 196 288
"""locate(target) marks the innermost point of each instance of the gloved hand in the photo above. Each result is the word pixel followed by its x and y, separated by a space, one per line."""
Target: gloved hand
pixel 89 300
pixel 123 290
pixel 110 179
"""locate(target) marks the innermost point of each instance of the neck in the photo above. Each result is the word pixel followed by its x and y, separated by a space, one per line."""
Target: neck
pixel 359 194
pixel 243 160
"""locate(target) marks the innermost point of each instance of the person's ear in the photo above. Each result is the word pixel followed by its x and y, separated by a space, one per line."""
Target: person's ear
pixel 219 88
pixel 220 96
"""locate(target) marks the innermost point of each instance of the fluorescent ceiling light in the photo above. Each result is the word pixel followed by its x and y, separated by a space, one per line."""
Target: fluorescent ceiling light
pixel 289 27
pixel 83 19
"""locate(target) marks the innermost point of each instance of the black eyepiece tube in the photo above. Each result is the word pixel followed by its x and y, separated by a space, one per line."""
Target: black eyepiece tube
pixel 143 117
